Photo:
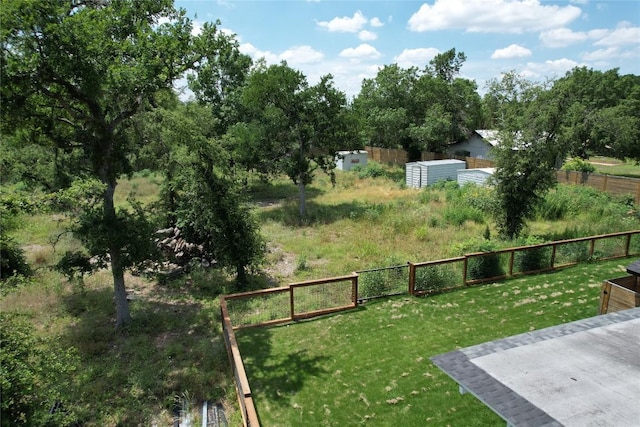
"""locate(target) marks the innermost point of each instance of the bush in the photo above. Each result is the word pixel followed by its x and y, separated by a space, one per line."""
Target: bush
pixel 434 279
pixel 371 170
pixel 458 215
pixel 12 259
pixel 382 282
pixel 532 259
pixel 32 376
pixel 579 165
pixel 482 267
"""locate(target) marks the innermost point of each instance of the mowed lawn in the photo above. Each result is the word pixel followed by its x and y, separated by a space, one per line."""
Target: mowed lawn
pixel 371 366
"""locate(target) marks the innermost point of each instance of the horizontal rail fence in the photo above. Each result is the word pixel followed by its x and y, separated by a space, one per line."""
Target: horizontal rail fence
pixel 296 301
pixel 383 282
pixel 438 276
pixel 317 297
pixel 245 399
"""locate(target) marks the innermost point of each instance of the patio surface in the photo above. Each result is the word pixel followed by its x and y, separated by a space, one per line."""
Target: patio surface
pixel 584 373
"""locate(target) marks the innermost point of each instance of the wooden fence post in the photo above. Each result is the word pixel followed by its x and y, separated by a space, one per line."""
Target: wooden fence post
pixel 412 278
pixel 513 253
pixel 354 289
pixel 291 303
pixel 464 270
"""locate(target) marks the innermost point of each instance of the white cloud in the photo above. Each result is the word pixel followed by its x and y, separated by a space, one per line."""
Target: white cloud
pixel 301 55
pixel 511 51
pixel 376 22
pixel 362 52
pixel 492 16
pixel 345 24
pixel 255 53
pixel 365 35
pixel 549 68
pixel 622 35
pixel 296 55
pixel 416 57
pixel 601 54
pixel 563 37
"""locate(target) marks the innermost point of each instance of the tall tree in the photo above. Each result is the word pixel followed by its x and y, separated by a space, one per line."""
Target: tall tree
pixel 419 110
pixel 292 127
pixel 528 151
pixel 602 115
pixel 90 66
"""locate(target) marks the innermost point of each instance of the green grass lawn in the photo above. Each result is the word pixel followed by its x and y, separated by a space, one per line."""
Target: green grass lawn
pixel 370 366
pixel 610 166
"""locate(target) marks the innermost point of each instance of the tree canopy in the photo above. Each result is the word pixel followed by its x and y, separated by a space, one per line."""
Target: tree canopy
pixel 290 127
pixel 419 110
pixel 76 73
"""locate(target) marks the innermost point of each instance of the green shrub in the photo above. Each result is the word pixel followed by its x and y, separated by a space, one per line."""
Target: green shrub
pixel 371 170
pixel 383 282
pixel 12 259
pixel 532 259
pixel 579 165
pixel 458 215
pixel 32 376
pixel 434 279
pixel 481 267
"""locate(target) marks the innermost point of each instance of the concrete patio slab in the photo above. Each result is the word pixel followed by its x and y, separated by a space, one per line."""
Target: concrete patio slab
pixel 584 373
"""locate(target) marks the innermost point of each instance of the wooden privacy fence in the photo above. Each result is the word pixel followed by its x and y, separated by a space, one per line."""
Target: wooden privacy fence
pixel 608 183
pixel 611 184
pixel 312 298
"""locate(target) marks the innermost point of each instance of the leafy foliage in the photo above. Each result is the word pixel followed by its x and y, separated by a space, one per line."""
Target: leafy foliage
pixel 32 375
pixel 528 152
pixel 532 259
pixel 579 165
pixel 419 109
pixel 12 259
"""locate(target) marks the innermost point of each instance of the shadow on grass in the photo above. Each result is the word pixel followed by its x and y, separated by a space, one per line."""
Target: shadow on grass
pixel 279 191
pixel 173 350
pixel 318 214
pixel 276 373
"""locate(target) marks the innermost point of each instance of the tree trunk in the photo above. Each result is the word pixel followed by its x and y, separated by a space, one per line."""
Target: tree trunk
pixel 123 317
pixel 241 276
pixel 303 198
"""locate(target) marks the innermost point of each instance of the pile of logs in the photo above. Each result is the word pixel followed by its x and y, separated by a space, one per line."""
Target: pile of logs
pixel 178 254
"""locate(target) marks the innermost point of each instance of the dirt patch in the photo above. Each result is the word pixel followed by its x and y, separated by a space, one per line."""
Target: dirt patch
pixel 282 264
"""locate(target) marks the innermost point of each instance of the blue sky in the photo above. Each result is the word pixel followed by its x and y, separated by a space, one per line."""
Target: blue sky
pixel 353 39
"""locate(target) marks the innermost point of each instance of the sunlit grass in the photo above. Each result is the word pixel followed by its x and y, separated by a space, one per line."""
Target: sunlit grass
pixel 610 166
pixel 371 365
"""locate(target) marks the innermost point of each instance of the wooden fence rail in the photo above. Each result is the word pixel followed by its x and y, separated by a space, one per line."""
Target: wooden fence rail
pixel 313 298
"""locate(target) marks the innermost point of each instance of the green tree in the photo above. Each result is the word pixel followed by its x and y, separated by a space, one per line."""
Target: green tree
pixel 292 127
pixel 90 67
pixel 203 192
pixel 419 110
pixel 528 152
pixel 602 114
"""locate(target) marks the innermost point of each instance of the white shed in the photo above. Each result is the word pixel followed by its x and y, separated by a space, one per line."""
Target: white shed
pixel 422 174
pixel 479 176
pixel 345 160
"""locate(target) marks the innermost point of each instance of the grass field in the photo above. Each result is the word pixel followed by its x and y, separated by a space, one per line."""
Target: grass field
pixel 610 166
pixel 370 366
pixel 174 349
